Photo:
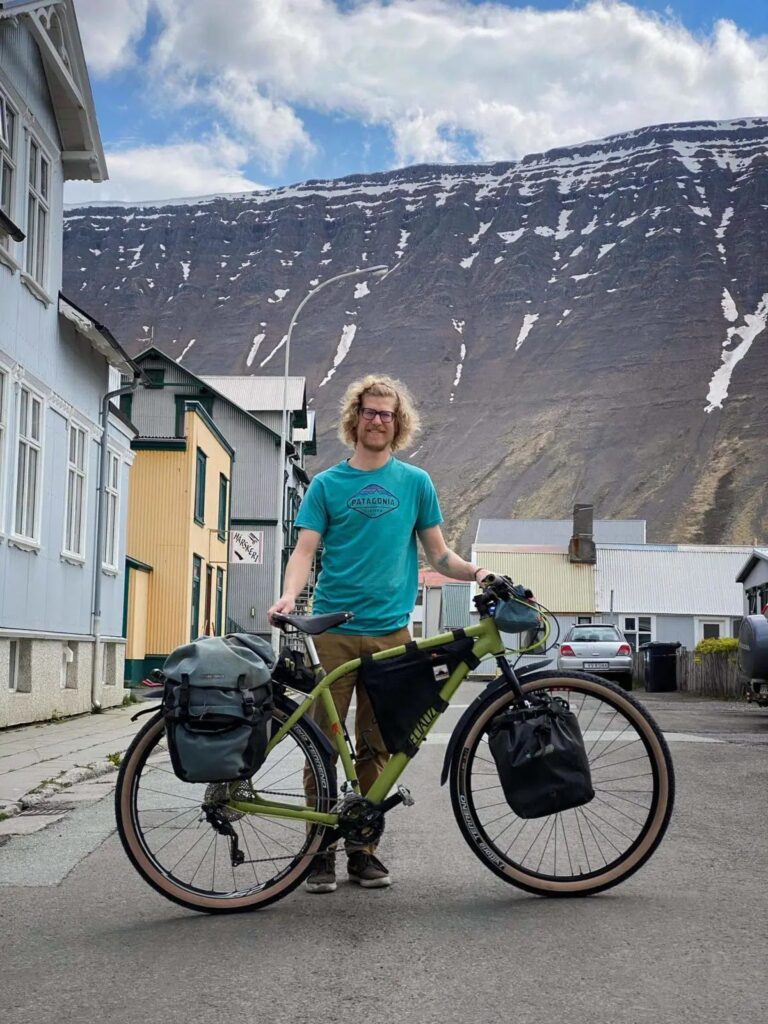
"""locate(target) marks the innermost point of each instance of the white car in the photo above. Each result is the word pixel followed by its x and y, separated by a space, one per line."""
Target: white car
pixel 599 648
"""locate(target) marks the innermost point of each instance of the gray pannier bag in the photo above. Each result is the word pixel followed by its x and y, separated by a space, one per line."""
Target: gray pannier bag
pixel 217 704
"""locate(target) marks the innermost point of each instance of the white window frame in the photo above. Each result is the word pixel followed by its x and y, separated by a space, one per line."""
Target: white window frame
pixel 31 537
pixel 635 633
pixel 38 201
pixel 8 159
pixel 76 474
pixel 112 519
pixel 5 393
pixel 723 621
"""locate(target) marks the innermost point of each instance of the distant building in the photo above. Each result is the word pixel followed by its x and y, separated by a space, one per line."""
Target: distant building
pixel 61 646
pixel 753 576
pixel 178 527
pixel 158 413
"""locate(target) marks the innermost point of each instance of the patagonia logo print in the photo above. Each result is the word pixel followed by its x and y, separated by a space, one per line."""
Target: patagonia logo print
pixel 373 501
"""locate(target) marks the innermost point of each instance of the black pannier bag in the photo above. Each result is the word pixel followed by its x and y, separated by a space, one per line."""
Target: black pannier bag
pixel 217 703
pixel 541 760
pixel 292 669
pixel 406 688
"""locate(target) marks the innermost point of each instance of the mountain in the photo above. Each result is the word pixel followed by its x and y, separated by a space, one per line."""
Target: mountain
pixel 584 324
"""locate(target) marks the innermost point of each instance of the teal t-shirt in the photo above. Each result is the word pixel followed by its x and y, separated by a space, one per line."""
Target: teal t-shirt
pixel 368 520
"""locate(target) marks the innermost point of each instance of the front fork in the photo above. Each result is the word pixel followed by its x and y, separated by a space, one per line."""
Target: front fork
pixel 510 676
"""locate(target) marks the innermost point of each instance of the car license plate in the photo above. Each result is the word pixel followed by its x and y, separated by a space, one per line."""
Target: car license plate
pixel 596 664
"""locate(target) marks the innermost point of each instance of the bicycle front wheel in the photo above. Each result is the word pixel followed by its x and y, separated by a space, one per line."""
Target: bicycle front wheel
pixel 172 845
pixel 587 849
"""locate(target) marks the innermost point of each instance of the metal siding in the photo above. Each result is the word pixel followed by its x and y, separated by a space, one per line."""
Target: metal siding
pixel 455 609
pixel 683 581
pixel 758 575
pixel 158 534
pixel 251 587
pixel 672 628
pixel 254 473
pixel 559 584
pixel 153 412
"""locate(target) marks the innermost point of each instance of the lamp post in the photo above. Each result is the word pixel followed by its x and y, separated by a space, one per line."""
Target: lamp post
pixel 377 271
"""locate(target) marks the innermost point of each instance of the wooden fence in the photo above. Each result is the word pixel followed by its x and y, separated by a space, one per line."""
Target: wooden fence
pixel 707 675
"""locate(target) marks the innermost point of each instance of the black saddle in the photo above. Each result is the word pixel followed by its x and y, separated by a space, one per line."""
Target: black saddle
pixel 312 624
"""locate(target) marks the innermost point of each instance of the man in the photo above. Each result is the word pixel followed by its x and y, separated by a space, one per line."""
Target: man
pixel 368 511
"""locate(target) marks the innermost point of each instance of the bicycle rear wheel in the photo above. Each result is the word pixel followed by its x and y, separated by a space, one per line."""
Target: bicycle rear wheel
pixel 171 844
pixel 586 849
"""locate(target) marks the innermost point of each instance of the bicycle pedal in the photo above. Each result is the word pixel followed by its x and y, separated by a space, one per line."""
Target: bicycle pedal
pixel 405 796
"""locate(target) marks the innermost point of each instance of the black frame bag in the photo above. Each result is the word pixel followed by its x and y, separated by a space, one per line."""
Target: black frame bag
pixel 293 669
pixel 406 688
pixel 217 704
pixel 541 759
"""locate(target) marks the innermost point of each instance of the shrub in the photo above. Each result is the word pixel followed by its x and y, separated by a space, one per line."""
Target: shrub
pixel 727 645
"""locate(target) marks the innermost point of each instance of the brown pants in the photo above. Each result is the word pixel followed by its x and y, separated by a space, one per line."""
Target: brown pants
pixel 334 649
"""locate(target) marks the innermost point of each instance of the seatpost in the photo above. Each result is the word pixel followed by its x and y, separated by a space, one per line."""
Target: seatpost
pixel 309 644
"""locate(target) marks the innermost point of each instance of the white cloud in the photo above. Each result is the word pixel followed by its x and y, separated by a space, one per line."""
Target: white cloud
pixel 449 80
pixel 163 172
pixel 110 32
pixel 505 81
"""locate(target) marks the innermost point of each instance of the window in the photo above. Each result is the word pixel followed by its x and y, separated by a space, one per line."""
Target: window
pixel 29 465
pixel 223 493
pixel 3 421
pixel 20 666
pixel 200 487
pixel 7 156
pixel 112 541
pixel 637 629
pixel 38 199
pixel 219 601
pixel 417 629
pixel 197 565
pixel 710 630
pixel 74 515
pixel 156 376
pixel 584 620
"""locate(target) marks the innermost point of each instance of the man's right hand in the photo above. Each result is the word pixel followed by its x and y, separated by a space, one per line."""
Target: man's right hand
pixel 284 606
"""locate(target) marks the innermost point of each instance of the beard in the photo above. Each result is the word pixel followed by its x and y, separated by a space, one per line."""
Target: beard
pixel 375 440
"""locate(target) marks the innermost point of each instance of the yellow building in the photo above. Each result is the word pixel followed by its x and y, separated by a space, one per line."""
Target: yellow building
pixel 178 523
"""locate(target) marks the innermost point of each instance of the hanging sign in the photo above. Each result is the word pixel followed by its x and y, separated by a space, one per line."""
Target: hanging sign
pixel 247 546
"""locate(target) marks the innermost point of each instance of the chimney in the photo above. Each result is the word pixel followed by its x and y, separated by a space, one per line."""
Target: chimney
pixel 581 548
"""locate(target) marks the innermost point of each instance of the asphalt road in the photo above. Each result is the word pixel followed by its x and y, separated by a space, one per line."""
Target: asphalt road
pixel 83 939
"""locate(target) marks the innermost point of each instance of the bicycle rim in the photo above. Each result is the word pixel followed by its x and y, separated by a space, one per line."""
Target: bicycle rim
pixel 185 858
pixel 586 849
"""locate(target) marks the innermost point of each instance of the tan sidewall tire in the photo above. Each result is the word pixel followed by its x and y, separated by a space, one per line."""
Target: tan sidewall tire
pixel 166 886
pixel 603 880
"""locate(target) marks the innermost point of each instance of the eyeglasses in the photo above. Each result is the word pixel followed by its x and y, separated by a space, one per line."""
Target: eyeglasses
pixel 385 416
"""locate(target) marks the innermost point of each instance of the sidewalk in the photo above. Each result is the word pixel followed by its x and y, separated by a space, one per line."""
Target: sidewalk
pixel 39 760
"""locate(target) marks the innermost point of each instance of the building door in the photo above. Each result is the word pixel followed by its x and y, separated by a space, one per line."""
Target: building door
pixel 219 601
pixel 207 629
pixel 194 625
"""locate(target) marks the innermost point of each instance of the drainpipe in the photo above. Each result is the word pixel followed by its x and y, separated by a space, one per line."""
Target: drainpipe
pixel 101 524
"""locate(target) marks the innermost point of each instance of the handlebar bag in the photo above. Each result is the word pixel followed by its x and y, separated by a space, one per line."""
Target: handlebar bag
pixel 517 614
pixel 405 690
pixel 541 760
pixel 217 704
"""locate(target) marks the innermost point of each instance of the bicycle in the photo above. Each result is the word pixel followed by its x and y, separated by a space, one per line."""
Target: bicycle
pixel 230 847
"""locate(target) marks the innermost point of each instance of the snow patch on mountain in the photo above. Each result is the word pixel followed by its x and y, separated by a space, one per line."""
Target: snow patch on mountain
pixel 511 236
pixel 188 347
pixel 345 343
pixel 729 306
pixel 255 348
pixel 458 325
pixel 467 262
pixel 474 239
pixel 361 289
pixel 528 321
pixel 754 324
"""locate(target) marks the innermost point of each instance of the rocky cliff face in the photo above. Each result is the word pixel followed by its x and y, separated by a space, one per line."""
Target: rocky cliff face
pixel 584 324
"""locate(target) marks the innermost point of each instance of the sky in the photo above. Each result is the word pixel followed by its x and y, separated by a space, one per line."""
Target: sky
pixel 200 97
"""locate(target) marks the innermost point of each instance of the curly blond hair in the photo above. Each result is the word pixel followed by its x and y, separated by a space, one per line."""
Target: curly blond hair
pixel 407 419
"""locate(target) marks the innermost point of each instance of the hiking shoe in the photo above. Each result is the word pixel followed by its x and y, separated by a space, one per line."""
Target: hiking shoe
pixel 322 877
pixel 367 870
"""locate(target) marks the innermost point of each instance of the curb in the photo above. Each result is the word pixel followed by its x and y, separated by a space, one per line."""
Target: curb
pixel 69 777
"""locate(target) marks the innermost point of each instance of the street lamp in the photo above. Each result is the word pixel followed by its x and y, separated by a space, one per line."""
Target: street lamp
pixel 378 271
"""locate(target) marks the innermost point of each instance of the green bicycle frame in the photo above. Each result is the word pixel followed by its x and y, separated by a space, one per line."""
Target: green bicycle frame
pixel 487 642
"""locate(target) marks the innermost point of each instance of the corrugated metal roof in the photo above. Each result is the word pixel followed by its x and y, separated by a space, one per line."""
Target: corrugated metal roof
pixel 672 580
pixel 259 394
pixel 560 585
pixel 557 531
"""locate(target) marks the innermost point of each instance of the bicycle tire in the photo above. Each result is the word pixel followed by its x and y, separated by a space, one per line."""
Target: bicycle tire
pixel 134 825
pixel 608 699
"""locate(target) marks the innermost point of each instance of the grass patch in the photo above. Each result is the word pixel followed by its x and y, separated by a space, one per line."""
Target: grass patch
pixel 115 759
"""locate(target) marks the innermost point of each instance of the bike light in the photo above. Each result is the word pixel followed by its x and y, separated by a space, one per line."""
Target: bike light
pixel 568 651
pixel 624 649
